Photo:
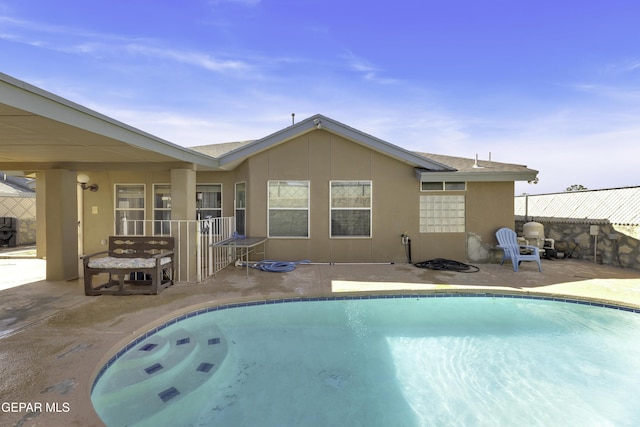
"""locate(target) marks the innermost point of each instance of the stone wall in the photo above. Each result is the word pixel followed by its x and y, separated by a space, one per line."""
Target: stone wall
pixel 617 246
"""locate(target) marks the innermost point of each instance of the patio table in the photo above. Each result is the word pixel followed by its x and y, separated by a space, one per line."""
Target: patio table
pixel 244 246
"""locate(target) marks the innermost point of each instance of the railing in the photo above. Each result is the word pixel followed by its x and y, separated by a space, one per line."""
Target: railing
pixel 212 259
pixel 196 258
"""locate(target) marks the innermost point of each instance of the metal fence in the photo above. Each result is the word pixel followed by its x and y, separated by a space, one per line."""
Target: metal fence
pixel 23 208
pixel 212 258
pixel 196 256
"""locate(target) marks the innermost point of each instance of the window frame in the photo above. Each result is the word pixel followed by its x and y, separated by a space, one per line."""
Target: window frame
pixel 307 209
pixel 162 226
pixel 242 209
pixel 369 208
pixel 200 205
pixel 117 208
pixel 443 186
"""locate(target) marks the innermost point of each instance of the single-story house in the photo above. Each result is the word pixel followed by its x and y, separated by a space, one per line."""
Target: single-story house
pixel 317 189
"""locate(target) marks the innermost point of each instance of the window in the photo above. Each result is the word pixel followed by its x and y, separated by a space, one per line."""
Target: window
pixel 442 214
pixel 443 186
pixel 162 209
pixel 129 209
pixel 210 205
pixel 240 208
pixel 288 207
pixel 350 207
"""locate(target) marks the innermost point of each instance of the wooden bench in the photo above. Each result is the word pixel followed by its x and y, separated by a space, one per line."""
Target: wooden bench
pixel 135 265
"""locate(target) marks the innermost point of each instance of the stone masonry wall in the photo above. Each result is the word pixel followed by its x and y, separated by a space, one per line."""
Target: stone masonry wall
pixel 616 245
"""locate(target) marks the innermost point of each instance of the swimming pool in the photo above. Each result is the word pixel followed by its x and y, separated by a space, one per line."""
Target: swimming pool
pixel 413 360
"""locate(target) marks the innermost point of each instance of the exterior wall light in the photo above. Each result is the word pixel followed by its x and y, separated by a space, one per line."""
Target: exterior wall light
pixel 83 180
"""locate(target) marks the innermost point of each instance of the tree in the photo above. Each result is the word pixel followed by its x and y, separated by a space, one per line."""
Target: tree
pixel 576 187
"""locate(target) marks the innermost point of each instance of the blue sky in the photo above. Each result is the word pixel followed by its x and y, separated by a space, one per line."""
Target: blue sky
pixel 554 85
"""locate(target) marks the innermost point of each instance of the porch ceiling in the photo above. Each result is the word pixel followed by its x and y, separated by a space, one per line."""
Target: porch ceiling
pixel 39 130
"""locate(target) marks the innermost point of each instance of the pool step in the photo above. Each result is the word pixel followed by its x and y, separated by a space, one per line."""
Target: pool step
pixel 161 369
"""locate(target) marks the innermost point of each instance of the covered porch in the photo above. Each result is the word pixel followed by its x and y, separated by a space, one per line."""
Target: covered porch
pixel 57 141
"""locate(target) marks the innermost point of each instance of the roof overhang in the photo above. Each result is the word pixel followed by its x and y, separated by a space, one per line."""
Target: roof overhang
pixel 485 176
pixel 40 130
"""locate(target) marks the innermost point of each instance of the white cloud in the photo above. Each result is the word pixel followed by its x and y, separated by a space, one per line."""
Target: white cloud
pixel 368 71
pixel 198 59
pixel 108 45
pixel 622 67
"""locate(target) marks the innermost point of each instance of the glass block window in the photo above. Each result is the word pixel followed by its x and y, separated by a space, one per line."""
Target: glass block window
pixel 288 206
pixel 350 207
pixel 442 214
pixel 209 201
pixel 129 209
pixel 443 186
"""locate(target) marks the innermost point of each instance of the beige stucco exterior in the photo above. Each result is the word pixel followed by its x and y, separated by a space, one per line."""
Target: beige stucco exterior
pixel 319 157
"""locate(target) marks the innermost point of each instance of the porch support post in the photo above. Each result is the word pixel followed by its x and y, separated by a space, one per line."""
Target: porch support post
pixel 183 208
pixel 41 215
pixel 61 224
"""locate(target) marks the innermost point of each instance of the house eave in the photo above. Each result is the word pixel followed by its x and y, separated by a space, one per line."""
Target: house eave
pixel 436 176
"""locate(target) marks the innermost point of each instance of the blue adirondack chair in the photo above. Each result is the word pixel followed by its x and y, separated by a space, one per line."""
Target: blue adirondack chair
pixel 508 242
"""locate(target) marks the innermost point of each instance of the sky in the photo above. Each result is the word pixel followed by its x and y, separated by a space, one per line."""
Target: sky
pixel 551 84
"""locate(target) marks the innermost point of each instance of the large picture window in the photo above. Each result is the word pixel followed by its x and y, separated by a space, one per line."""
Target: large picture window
pixel 350 207
pixel 288 207
pixel 129 209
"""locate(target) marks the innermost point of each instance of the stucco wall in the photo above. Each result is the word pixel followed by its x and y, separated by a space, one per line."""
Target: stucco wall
pixel 489 208
pixel 98 207
pixel 319 157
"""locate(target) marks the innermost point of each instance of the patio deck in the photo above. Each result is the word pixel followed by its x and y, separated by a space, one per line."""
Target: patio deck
pixel 54 339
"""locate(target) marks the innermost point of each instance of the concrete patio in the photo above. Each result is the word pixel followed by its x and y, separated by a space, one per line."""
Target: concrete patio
pixel 54 339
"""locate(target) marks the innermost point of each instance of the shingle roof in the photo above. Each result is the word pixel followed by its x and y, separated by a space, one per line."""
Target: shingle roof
pixel 463 164
pixel 617 205
pixel 460 164
pixel 217 150
pixel 428 167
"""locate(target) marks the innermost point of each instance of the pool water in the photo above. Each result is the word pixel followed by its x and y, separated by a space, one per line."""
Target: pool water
pixel 379 362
